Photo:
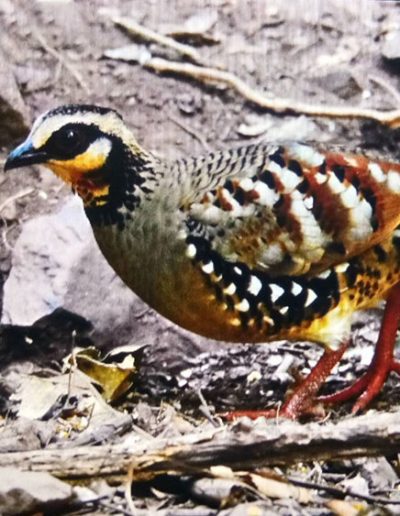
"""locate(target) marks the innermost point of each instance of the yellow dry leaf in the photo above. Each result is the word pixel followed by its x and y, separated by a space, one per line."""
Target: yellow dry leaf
pixel 115 377
pixel 344 508
pixel 276 489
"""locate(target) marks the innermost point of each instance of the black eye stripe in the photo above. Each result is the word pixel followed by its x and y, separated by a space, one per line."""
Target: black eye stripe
pixel 71 140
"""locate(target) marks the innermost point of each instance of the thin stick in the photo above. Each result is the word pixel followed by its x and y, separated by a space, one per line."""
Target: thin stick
pixel 147 34
pixel 386 86
pixel 206 410
pixel 18 195
pixel 53 52
pixel 337 491
pixel 278 105
pixel 190 131
pixel 128 489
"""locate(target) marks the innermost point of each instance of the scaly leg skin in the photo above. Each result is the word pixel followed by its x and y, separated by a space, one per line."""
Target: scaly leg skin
pixel 383 362
pixel 303 397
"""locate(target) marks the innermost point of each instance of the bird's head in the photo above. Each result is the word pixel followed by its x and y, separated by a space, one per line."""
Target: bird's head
pixel 89 147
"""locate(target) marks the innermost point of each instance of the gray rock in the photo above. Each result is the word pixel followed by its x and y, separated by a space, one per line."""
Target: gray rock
pixel 341 82
pixel 56 263
pixel 41 264
pixel 379 474
pixel 23 434
pixel 27 491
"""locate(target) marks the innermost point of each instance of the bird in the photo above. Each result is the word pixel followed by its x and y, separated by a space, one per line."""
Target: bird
pixel 259 243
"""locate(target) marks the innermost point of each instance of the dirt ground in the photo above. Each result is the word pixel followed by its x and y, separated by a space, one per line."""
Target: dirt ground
pixel 319 52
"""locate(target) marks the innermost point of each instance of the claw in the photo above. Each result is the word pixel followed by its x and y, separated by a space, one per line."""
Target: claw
pixel 371 383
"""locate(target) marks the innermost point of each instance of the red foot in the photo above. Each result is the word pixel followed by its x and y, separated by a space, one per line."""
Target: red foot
pixel 371 383
pixel 302 401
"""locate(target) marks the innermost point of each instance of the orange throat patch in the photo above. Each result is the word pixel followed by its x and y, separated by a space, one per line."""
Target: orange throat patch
pixel 84 176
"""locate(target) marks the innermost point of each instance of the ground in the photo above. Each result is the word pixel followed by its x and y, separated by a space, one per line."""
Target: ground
pixel 58 52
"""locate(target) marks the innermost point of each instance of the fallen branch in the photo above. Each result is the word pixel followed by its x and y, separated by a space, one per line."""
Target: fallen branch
pixel 146 34
pixel 214 75
pixel 245 445
pixel 275 104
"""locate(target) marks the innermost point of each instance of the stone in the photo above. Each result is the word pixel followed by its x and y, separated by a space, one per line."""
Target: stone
pixel 28 491
pixel 341 82
pixel 56 263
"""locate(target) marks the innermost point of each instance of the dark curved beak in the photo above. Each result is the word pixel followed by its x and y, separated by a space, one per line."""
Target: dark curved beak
pixel 25 154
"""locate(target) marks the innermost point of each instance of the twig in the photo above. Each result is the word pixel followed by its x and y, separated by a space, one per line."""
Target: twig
pixel 73 367
pixel 53 52
pixel 115 509
pixel 337 491
pixel 278 105
pixel 147 34
pixel 190 131
pixel 205 409
pixel 245 446
pixel 4 234
pixel 18 195
pixel 128 489
pixel 386 86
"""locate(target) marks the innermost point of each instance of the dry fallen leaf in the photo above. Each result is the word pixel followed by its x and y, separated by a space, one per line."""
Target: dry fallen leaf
pixel 273 488
pixel 345 508
pixel 114 373
pixel 263 484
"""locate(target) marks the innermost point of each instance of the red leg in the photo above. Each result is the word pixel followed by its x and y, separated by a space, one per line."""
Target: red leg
pixel 370 384
pixel 304 395
pixel 367 387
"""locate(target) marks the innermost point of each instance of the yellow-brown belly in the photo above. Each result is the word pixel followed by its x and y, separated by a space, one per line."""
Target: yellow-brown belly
pixel 362 283
pixel 317 308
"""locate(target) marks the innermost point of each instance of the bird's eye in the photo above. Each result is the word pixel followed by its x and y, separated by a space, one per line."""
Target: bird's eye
pixel 68 142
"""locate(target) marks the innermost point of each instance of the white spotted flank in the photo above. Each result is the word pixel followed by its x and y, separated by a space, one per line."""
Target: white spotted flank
pixel 393 181
pixel 276 292
pixel 230 289
pixel 208 267
pixel 311 297
pixel 376 172
pixel 243 306
pixel 296 289
pixel 191 251
pixel 255 286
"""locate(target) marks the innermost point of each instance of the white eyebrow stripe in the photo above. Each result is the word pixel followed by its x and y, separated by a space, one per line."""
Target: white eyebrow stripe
pixel 44 127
